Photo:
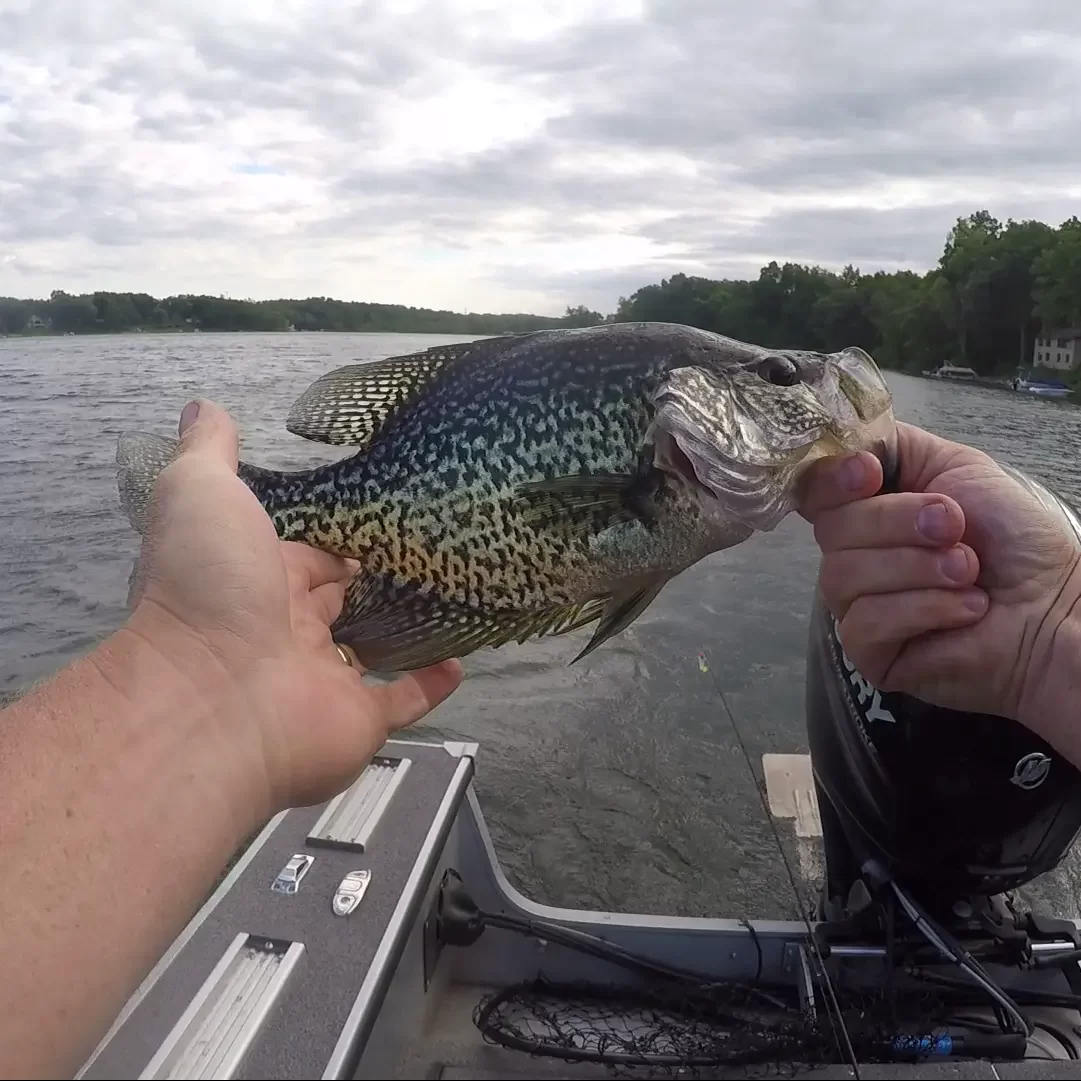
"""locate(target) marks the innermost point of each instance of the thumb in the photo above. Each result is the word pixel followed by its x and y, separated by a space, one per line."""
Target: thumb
pixel 206 428
pixel 831 482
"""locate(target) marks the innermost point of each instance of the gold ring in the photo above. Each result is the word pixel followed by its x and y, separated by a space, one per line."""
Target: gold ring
pixel 344 654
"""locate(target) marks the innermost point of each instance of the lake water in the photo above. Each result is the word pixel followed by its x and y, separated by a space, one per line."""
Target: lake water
pixel 618 783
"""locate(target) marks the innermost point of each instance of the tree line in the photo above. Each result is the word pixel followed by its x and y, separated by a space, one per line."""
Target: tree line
pixel 112 313
pixel 995 288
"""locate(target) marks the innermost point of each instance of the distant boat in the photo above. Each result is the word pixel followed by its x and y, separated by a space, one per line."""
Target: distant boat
pixel 1045 388
pixel 952 371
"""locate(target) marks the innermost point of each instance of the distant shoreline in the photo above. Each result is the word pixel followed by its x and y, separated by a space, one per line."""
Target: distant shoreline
pixel 66 314
pixel 98 333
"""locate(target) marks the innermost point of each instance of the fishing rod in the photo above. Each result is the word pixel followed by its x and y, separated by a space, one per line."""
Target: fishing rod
pixel 842 1039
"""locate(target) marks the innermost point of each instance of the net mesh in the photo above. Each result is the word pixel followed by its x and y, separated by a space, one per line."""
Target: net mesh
pixel 665 1030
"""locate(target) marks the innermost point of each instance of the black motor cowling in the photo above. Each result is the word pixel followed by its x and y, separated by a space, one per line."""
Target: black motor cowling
pixel 954 805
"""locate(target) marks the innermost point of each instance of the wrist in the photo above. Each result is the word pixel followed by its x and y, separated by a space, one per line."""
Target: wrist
pixel 173 692
pixel 1048 703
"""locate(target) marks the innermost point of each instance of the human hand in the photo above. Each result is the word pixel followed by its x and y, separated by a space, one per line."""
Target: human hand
pixel 955 589
pixel 246 618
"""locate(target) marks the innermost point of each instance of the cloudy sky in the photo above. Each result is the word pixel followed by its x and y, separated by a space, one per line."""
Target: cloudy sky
pixel 495 155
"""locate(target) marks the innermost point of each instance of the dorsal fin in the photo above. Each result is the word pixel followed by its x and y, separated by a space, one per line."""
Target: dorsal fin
pixel 347 406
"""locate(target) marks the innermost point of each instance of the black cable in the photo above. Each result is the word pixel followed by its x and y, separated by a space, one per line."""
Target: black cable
pixel 1055 958
pixel 461 922
pixel 980 1023
pixel 950 948
pixel 604 950
pixel 594 945
pixel 757 945
pixel 1023 996
pixel 891 968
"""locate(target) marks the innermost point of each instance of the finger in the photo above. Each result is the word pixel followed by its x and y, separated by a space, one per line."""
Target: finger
pixel 876 627
pixel 327 600
pixel 837 480
pixel 412 696
pixel 891 521
pixel 856 572
pixel 206 428
pixel 309 568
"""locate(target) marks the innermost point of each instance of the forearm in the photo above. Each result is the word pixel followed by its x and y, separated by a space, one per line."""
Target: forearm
pixel 119 812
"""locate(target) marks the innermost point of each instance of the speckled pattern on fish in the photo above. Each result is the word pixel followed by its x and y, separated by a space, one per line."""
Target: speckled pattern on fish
pixel 513 486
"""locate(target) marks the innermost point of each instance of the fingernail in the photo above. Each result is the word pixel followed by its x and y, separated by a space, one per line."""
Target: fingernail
pixel 934 522
pixel 954 564
pixel 188 417
pixel 853 474
pixel 976 601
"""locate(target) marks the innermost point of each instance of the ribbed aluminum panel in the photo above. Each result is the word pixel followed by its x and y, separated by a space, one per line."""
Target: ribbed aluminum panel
pixel 351 817
pixel 219 1025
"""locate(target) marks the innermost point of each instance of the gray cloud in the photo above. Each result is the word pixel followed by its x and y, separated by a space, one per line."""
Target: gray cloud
pixel 467 154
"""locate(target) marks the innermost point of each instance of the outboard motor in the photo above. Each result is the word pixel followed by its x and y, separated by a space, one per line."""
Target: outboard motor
pixel 959 808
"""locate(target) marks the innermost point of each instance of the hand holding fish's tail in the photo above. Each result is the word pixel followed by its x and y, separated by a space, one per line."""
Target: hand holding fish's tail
pixel 245 619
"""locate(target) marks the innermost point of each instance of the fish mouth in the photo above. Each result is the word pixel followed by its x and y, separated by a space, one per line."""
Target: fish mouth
pixel 742 440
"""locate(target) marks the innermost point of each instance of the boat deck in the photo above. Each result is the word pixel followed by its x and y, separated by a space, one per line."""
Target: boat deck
pixel 274 983
pixel 393 820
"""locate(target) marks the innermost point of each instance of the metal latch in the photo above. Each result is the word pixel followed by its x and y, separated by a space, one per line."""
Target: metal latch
pixel 350 891
pixel 289 877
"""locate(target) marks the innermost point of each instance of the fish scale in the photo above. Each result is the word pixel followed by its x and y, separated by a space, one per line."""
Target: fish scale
pixel 531 484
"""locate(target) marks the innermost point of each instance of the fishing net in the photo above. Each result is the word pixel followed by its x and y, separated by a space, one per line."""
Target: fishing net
pixel 670 1031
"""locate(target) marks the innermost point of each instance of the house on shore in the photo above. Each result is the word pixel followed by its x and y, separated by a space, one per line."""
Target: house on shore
pixel 1060 349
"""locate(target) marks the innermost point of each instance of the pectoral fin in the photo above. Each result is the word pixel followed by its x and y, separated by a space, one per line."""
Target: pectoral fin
pixel 621 610
pixel 587 501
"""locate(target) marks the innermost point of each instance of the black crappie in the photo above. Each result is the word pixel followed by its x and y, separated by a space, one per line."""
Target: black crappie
pixel 532 484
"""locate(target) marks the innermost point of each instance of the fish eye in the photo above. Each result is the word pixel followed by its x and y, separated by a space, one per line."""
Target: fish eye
pixel 778 370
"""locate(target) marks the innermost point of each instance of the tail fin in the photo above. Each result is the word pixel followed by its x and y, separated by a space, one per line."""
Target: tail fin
pixel 140 458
